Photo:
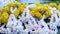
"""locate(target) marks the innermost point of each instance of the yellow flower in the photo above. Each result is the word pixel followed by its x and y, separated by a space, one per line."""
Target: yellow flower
pixel 22 7
pixel 37 3
pixel 11 4
pixel 33 9
pixel 40 9
pixel 4 17
pixel 46 5
pixel 32 13
pixel 0 13
pixel 38 15
pixel 6 9
pixel 53 5
pixel 3 10
pixel 0 21
pixel 47 14
pixel 58 7
pixel 17 4
pixel 16 13
pixel 0 18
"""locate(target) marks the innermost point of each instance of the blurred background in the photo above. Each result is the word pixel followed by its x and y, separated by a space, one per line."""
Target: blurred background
pixel 41 1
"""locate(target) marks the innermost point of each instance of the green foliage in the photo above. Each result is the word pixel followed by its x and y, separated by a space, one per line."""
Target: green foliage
pixel 53 1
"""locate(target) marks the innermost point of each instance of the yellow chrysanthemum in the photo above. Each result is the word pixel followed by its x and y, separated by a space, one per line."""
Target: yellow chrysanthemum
pixel 16 13
pixel 0 21
pixel 24 5
pixel 4 17
pixel 6 9
pixel 33 9
pixel 0 13
pixel 37 3
pixel 38 15
pixel 21 8
pixel 47 14
pixel 46 5
pixel 53 5
pixel 17 4
pixel 3 10
pixel 11 4
pixel 32 13
pixel 40 9
pixel 58 7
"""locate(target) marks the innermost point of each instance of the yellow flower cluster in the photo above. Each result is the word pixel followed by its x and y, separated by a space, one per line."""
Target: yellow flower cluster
pixel 5 11
pixel 5 17
pixel 58 7
pixel 40 10
pixel 53 5
pixel 37 3
pixel 0 17
pixel 20 7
